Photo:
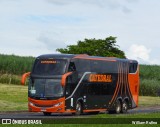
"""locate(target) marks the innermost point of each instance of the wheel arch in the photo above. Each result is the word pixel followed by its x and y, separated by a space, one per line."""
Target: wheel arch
pixel 81 101
pixel 120 99
pixel 126 99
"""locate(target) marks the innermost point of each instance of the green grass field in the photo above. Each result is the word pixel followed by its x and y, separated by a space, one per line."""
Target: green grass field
pixel 13 97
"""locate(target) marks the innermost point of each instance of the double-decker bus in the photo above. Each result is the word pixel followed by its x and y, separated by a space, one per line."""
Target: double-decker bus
pixel 60 83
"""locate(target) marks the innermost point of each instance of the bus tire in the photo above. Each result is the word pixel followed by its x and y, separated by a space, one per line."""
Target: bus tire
pixel 118 107
pixel 124 107
pixel 46 113
pixel 78 108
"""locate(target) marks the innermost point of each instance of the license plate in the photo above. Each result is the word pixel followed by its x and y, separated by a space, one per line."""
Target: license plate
pixel 43 109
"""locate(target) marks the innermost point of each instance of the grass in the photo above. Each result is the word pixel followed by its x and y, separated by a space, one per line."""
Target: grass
pixel 137 115
pixel 13 97
pixel 149 101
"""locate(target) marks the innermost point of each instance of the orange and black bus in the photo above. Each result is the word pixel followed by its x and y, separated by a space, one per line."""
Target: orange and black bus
pixel 77 84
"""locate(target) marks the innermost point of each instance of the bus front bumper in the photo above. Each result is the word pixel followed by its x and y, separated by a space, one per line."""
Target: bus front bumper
pixel 55 106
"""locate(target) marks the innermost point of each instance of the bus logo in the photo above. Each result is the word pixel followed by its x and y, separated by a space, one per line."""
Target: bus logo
pixel 6 121
pixel 100 78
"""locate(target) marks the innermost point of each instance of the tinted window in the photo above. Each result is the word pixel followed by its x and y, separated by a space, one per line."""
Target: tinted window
pixel 103 66
pixel 133 67
pixel 72 67
pixel 98 66
pixel 82 65
pixel 49 67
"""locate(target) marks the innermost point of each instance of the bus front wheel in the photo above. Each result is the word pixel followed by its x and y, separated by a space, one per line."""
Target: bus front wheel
pixel 78 108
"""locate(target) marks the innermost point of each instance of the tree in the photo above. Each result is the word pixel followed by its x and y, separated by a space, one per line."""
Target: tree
pixel 95 47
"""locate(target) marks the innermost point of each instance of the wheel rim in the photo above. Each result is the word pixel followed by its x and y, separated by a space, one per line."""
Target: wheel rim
pixel 78 108
pixel 118 107
pixel 124 107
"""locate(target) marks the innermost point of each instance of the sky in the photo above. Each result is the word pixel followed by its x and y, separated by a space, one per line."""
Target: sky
pixel 35 27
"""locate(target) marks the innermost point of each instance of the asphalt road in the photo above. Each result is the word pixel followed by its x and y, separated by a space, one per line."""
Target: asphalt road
pixel 25 114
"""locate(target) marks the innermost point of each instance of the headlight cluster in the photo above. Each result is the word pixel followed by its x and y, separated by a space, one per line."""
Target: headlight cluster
pixel 58 104
pixel 30 103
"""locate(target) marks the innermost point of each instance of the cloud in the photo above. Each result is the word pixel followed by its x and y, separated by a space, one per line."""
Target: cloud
pixel 111 4
pixel 138 52
pixel 52 41
pixel 141 54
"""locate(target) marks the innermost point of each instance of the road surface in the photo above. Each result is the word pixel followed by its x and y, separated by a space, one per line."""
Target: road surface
pixel 25 114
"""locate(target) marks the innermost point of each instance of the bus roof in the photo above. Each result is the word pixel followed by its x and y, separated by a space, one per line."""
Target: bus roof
pixel 82 56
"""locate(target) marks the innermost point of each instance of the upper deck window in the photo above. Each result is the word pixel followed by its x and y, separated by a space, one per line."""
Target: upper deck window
pixel 99 66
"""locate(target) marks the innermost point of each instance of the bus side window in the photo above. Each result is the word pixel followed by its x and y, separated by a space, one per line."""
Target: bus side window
pixel 133 67
pixel 72 67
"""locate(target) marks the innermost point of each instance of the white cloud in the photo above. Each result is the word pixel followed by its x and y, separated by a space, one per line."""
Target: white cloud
pixel 139 51
pixel 141 54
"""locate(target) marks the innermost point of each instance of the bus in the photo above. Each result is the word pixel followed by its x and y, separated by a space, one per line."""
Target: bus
pixel 70 83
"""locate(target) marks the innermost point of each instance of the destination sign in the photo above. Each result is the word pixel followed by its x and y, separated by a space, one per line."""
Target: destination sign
pixel 48 62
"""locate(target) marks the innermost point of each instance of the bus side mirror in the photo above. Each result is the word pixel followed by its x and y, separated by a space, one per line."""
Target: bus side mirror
pixel 64 77
pixel 24 76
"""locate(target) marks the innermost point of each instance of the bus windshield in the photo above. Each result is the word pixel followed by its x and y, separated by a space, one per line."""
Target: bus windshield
pixel 45 88
pixel 49 67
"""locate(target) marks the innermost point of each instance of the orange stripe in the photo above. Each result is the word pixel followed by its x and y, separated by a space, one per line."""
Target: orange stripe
pixel 117 86
pixel 122 75
pixel 127 77
pixel 94 110
pixel 103 59
pixel 128 88
pixel 82 55
pixel 71 111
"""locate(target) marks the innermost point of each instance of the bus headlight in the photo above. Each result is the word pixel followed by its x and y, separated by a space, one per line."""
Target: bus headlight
pixel 58 104
pixel 30 103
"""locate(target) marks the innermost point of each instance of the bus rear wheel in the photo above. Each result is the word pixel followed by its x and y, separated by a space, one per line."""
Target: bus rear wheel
pixel 124 107
pixel 47 113
pixel 78 108
pixel 118 107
